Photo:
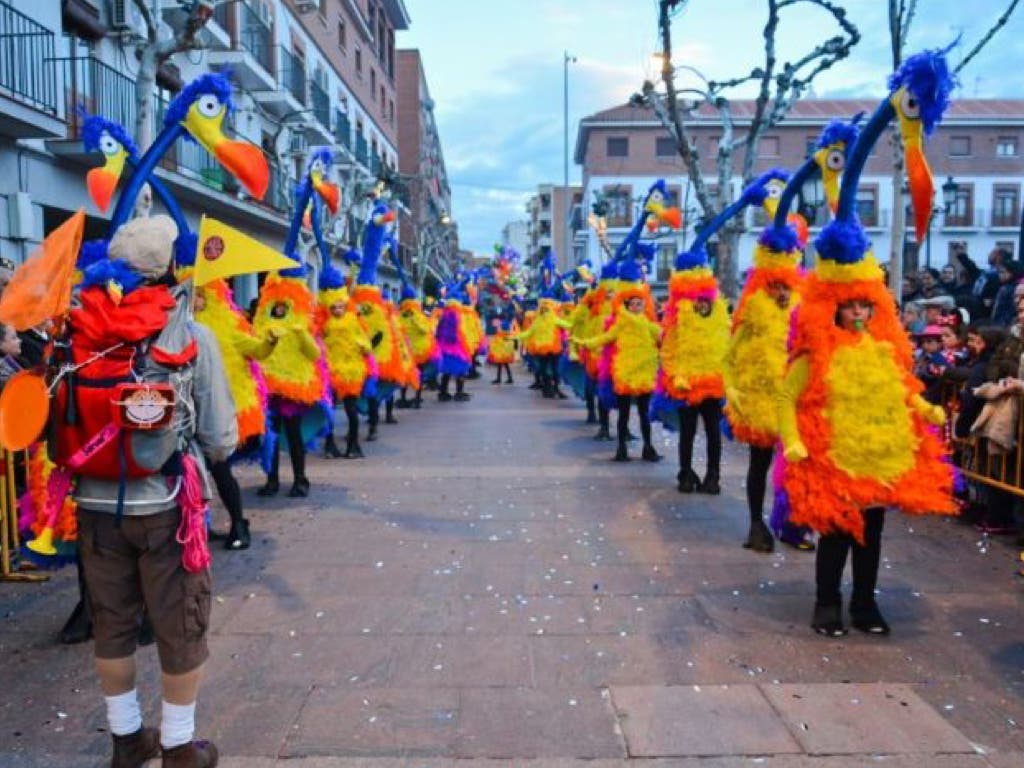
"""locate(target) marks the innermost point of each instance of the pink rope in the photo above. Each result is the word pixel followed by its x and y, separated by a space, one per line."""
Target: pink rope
pixel 192 532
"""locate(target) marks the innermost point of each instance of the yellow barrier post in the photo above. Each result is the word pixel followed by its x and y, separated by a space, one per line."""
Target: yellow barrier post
pixel 9 537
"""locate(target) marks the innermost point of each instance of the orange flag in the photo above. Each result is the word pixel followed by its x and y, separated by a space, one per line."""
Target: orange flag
pixel 41 287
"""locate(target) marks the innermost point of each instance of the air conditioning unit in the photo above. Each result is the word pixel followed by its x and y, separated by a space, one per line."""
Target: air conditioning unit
pixel 297 144
pixel 304 6
pixel 125 18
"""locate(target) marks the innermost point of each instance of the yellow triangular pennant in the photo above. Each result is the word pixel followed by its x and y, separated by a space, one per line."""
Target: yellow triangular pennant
pixel 223 251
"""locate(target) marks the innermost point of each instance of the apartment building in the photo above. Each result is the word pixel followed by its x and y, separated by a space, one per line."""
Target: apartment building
pixel 307 73
pixel 549 224
pixel 976 153
pixel 516 235
pixel 428 234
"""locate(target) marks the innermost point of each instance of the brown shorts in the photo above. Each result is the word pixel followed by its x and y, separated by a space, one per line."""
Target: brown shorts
pixel 136 567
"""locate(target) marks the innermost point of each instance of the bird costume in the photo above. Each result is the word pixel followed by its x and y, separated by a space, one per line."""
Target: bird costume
pixel 856 432
pixel 453 343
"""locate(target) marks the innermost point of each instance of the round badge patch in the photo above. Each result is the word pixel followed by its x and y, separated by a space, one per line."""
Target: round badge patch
pixel 213 248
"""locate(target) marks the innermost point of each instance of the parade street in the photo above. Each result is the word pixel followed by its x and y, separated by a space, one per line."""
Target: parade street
pixel 487 589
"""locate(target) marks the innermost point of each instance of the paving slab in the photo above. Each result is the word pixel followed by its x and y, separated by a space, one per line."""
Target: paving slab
pixel 882 718
pixel 699 721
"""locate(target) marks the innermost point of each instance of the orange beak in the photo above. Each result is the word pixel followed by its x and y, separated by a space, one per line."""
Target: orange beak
pixel 307 221
pixel 330 194
pixel 388 217
pixel 101 184
pixel 246 163
pixel 922 189
pixel 799 224
pixel 672 217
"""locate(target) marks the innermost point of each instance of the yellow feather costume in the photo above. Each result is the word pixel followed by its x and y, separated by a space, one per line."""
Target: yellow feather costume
pixel 544 336
pixel 693 348
pixel 349 352
pixel 374 315
pixel 755 361
pixel 292 370
pixel 633 338
pixel 419 329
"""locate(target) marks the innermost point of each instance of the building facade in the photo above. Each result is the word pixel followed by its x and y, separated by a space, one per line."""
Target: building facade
pixel 306 74
pixel 549 224
pixel 977 148
pixel 516 235
pixel 428 233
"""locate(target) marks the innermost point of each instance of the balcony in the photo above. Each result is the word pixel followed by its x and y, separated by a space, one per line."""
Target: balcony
pixel 289 93
pixel 362 151
pixel 319 128
pixel 217 28
pixel 342 130
pixel 376 165
pixel 28 87
pixel 250 57
pixel 97 88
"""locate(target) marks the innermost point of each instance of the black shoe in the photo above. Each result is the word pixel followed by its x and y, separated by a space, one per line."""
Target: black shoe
pixel 759 538
pixel 536 385
pixel 603 435
pixel 688 482
pixel 560 394
pixel 299 489
pixel 417 403
pixel 591 418
pixel 510 381
pixel 135 749
pixel 461 397
pixel 444 397
pixel 621 454
pixel 710 485
pixel 269 489
pixel 238 534
pixel 403 404
pixel 651 455
pixel 331 450
pixel 371 435
pixel 868 619
pixel 496 381
pixel 78 628
pixel 353 451
pixel 390 420
pixel 828 620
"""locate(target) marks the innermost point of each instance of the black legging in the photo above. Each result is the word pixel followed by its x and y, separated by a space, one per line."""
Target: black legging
pixel 460 383
pixel 710 410
pixel 643 404
pixel 503 368
pixel 373 412
pixel 296 448
pixel 757 480
pixel 228 490
pixel 548 365
pixel 831 560
pixel 351 406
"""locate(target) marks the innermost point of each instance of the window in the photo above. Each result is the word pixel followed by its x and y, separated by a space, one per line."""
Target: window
pixel 1005 205
pixel 620 205
pixel 383 100
pixel 959 146
pixel 867 206
pixel 359 62
pixel 675 194
pixel 342 41
pixel 810 145
pixel 373 80
pixel 665 146
pixel 618 146
pixel 666 259
pixel 1007 245
pixel 713 145
pixel 769 146
pixel 391 111
pixel 1006 146
pixel 961 212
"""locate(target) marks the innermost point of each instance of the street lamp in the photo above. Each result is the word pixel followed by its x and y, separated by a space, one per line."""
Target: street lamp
pixel 566 60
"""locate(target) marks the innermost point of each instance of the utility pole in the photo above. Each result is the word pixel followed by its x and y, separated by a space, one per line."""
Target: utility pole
pixel 566 60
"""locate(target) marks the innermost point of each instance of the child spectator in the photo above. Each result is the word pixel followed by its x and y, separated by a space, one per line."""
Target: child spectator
pixel 930 363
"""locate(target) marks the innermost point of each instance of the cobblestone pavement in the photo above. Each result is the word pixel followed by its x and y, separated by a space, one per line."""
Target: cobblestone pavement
pixel 487 589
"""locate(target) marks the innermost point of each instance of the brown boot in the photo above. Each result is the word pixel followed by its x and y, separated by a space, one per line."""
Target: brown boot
pixel 196 754
pixel 133 750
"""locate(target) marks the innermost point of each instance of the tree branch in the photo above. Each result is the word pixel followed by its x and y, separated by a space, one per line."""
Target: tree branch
pixel 999 24
pixel 152 31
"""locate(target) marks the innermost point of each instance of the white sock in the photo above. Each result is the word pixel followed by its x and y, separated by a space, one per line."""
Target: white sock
pixel 177 724
pixel 123 714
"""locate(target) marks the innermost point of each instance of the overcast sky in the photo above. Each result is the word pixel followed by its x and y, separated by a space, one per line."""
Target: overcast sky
pixel 495 72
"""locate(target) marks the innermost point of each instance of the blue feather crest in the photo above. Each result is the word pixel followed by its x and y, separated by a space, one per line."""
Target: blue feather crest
pixel 102 273
pixel 185 246
pixel 93 129
pixel 629 271
pixel 779 239
pixel 843 242
pixel 299 270
pixel 609 270
pixel 757 191
pixel 691 259
pixel 658 186
pixel 840 131
pixel 331 278
pixel 211 82
pixel 91 252
pixel 927 76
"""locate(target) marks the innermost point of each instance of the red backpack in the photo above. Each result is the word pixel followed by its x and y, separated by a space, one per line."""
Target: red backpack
pixel 118 394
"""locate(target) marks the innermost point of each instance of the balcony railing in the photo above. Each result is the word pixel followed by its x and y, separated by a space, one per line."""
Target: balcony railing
pixel 375 164
pixel 342 129
pixel 221 12
pixel 96 87
pixel 292 74
pixel 255 37
pixel 25 46
pixel 321 104
pixel 362 150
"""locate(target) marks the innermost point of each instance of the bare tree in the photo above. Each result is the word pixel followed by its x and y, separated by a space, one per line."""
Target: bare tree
pixel 154 51
pixel 901 17
pixel 779 87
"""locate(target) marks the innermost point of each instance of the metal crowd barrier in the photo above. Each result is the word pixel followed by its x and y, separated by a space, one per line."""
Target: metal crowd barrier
pixel 12 568
pixel 977 459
